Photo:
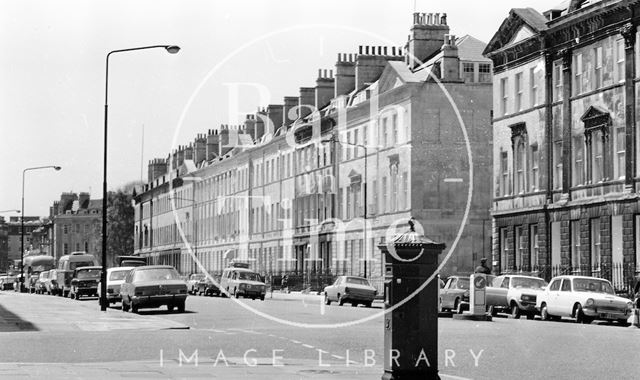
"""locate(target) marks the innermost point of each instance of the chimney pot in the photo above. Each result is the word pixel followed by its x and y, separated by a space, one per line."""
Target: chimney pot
pixel 359 50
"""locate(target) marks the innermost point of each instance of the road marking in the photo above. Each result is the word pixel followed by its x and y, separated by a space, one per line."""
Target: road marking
pixel 307 346
pixel 443 376
pixel 338 357
pixel 295 341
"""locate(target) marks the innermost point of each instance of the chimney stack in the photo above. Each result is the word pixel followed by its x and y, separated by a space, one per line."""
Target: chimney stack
pixel 83 200
pixel 426 38
pixel 369 66
pixel 274 113
pixel 213 144
pixel 156 168
pixel 325 88
pixel 250 126
pixel 199 149
pixel 306 101
pixel 450 66
pixel 288 116
pixel 345 74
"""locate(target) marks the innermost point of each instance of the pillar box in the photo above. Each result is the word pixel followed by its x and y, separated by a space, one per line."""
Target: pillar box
pixel 411 330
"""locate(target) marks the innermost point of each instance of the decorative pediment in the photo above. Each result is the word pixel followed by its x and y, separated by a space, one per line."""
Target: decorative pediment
pixel 521 35
pixel 517 130
pixel 595 117
pixel 520 25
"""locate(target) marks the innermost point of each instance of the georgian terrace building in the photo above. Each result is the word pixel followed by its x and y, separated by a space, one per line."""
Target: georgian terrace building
pixel 288 193
pixel 565 141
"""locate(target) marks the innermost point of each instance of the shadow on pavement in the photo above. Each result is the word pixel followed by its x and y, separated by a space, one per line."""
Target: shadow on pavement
pixel 10 322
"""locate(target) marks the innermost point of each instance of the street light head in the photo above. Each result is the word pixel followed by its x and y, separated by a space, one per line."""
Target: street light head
pixel 172 49
pixel 57 167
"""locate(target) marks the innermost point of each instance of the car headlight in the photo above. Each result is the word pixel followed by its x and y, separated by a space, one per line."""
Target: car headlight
pixel 242 286
pixel 589 302
pixel 629 305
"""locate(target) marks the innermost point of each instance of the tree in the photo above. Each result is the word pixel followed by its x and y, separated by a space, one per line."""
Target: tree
pixel 120 222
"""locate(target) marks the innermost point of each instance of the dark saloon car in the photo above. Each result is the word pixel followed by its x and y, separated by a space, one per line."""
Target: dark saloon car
pixel 85 282
pixel 207 287
pixel 153 286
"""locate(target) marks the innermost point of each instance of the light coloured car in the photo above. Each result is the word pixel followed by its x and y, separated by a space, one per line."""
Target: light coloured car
pixel 153 286
pixel 515 294
pixel 583 298
pixel 51 284
pixel 454 295
pixel 41 287
pixel 352 289
pixel 239 281
pixel 192 282
pixel 115 278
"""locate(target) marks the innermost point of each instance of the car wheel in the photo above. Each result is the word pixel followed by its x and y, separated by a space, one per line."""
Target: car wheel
pixel 515 311
pixel 579 315
pixel 340 300
pixel 125 305
pixel 235 293
pixel 262 298
pixel 544 314
pixel 181 307
pixel 354 304
pixel 367 304
pixel 134 308
pixel 327 301
pixel 623 322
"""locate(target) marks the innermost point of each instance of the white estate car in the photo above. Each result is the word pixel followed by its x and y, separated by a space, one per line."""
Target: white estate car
pixel 583 298
pixel 515 294
pixel 115 278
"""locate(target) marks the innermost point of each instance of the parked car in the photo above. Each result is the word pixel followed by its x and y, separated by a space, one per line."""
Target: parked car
pixel 193 281
pixel 41 282
pixel 351 289
pixel 51 285
pixel 454 296
pixel 85 282
pixel 238 280
pixel 583 298
pixel 115 278
pixel 153 286
pixel 6 282
pixel 514 294
pixel 207 287
pixel 66 266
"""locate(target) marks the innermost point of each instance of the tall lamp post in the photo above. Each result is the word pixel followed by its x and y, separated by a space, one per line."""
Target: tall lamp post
pixel 172 49
pixel 22 221
pixel 364 195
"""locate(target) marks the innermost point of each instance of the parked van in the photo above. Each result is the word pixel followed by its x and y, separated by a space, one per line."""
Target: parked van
pixel 66 266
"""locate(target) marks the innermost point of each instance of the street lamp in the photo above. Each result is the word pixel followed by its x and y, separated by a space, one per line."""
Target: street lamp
pixel 172 49
pixel 364 194
pixel 56 168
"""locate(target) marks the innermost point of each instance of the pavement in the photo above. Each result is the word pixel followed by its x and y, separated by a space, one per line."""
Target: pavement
pixel 23 312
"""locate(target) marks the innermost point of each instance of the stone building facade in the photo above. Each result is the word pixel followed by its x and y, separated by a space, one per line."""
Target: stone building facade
pixel 77 225
pixel 565 141
pixel 286 190
pixel 14 236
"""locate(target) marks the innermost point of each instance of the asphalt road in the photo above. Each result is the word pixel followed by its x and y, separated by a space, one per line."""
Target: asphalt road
pixel 222 329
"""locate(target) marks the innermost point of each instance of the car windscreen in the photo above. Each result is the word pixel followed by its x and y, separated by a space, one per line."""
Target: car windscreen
pixel 249 276
pixel 592 285
pixel 155 274
pixel 89 273
pixel 117 275
pixel 78 264
pixel 463 283
pixel 524 282
pixel 358 281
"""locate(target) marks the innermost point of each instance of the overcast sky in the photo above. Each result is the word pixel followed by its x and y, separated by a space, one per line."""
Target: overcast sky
pixel 52 69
